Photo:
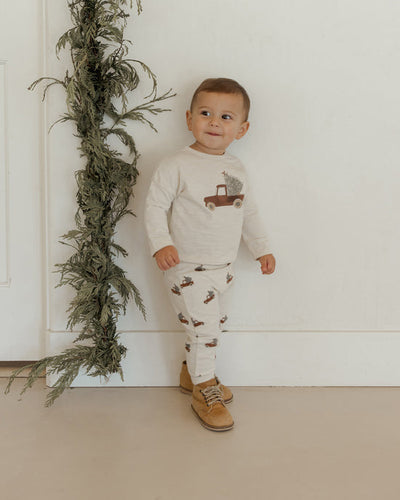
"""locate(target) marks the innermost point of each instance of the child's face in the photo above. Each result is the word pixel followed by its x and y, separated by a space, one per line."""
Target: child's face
pixel 216 120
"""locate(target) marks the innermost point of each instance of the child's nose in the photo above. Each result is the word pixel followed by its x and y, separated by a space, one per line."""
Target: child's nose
pixel 214 120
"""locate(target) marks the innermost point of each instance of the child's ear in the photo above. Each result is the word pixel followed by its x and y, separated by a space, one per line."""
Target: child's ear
pixel 243 130
pixel 189 119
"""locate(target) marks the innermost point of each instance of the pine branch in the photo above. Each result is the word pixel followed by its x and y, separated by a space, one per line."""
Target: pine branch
pixel 99 84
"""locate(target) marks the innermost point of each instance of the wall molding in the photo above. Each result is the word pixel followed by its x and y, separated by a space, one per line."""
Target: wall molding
pixel 282 331
pixel 45 180
pixel 277 359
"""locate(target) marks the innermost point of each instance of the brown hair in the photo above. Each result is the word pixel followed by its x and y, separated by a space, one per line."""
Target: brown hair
pixel 224 86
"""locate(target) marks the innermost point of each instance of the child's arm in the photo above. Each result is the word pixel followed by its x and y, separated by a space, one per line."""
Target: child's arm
pixel 255 236
pixel 162 192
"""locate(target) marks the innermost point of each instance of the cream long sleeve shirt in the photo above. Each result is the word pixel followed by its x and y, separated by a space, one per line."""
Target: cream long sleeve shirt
pixel 202 204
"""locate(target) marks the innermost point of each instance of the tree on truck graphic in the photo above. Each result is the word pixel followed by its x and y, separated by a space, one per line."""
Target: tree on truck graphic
pixel 230 194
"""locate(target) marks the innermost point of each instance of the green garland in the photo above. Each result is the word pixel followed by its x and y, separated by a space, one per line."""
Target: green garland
pixel 100 79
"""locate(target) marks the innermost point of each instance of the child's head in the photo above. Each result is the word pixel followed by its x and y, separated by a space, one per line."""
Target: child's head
pixel 218 114
pixel 223 86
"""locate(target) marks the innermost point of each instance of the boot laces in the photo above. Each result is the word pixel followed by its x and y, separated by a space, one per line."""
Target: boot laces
pixel 213 394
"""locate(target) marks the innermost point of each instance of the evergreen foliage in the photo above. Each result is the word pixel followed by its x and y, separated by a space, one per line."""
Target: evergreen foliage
pixel 102 77
pixel 233 184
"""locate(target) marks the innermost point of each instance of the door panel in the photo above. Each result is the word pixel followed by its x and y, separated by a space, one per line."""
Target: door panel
pixel 21 120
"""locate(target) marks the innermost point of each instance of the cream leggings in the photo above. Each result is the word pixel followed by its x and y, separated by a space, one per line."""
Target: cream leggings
pixel 195 291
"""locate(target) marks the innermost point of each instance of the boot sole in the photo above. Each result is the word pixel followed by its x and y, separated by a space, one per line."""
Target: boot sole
pixel 211 427
pixel 187 391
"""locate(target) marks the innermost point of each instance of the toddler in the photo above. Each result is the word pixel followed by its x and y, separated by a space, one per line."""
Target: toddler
pixel 198 207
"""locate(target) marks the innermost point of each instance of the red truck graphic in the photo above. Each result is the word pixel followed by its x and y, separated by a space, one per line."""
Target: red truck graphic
pixel 182 319
pixel 222 200
pixel 175 289
pixel 213 343
pixel 196 322
pixel 187 281
pixel 223 319
pixel 210 297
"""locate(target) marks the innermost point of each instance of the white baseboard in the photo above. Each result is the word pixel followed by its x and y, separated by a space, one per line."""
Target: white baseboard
pixel 256 359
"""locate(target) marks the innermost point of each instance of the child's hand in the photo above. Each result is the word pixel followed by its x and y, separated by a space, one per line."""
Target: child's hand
pixel 167 257
pixel 267 263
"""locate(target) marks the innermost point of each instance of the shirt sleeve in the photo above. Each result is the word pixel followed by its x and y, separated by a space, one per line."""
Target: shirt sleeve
pixel 253 231
pixel 162 191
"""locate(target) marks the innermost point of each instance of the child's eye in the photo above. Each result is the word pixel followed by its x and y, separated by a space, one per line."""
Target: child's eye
pixel 205 113
pixel 226 117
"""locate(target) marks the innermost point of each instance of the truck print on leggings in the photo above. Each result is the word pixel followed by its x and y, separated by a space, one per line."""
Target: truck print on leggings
pixel 196 322
pixel 176 290
pixel 182 319
pixel 187 281
pixel 227 194
pixel 210 296
pixel 213 343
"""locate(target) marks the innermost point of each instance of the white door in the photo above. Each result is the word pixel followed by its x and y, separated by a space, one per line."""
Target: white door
pixel 21 190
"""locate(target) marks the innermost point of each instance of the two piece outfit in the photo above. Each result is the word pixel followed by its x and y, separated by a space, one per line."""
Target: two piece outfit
pixel 202 204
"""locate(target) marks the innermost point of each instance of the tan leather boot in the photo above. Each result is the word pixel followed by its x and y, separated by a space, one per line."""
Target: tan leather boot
pixel 186 385
pixel 209 407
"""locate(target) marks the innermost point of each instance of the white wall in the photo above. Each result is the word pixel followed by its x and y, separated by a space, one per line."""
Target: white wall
pixel 322 152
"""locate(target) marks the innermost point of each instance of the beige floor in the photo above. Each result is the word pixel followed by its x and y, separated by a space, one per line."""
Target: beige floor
pixel 145 444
